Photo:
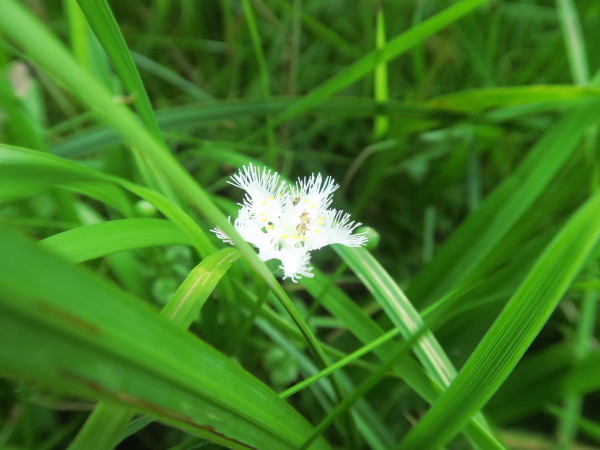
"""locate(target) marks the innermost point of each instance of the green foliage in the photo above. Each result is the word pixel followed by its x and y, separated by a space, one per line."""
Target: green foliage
pixel 463 136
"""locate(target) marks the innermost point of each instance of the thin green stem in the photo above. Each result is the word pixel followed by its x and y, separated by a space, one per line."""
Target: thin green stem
pixel 341 363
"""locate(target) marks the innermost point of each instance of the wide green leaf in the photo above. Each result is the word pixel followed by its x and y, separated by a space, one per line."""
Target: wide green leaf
pixel 87 337
pixel 104 427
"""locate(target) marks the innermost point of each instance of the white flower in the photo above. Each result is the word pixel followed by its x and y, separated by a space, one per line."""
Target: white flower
pixel 287 222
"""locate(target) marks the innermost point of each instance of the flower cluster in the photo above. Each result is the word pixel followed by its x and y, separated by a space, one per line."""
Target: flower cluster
pixel 287 222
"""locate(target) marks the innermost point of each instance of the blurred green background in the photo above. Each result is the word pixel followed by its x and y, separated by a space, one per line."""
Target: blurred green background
pixel 465 138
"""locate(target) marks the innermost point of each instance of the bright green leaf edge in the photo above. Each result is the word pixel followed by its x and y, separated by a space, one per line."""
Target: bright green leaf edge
pixel 100 239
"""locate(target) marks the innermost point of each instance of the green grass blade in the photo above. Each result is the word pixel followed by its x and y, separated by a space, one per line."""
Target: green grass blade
pixel 380 85
pixel 24 170
pixel 339 364
pixel 578 62
pixel 104 427
pixel 583 338
pixel 392 49
pixel 400 311
pixel 185 305
pixel 478 100
pixel 589 427
pixel 93 241
pixel 22 129
pixel 263 74
pixel 321 31
pixel 369 425
pixel 25 175
pixel 97 138
pixel 367 331
pixel 441 110
pixel 170 77
pixel 102 21
pixel 18 24
pixel 86 337
pixel 107 30
pixel 513 331
pixel 86 48
pixel 360 391
pixel 470 244
pixel 573 36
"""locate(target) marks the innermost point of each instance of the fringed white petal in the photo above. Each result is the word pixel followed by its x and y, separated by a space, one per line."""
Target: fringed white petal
pixel 314 192
pixel 286 223
pixel 295 263
pixel 258 183
pixel 336 228
pixel 221 235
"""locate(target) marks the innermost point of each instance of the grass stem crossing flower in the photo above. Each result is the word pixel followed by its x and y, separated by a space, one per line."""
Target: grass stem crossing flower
pixel 287 222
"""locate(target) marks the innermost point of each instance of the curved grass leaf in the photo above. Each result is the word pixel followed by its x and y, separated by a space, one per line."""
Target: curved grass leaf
pixel 102 21
pixel 85 336
pixel 171 77
pixel 24 179
pixel 402 314
pixel 400 311
pixel 24 170
pixel 19 25
pixel 185 305
pixel 98 138
pixel 513 331
pixel 107 30
pixel 392 49
pixel 476 100
pixel 470 245
pixel 100 239
pixel 104 427
pixel 367 330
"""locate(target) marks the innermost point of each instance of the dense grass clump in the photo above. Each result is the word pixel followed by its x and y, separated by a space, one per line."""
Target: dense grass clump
pixel 462 134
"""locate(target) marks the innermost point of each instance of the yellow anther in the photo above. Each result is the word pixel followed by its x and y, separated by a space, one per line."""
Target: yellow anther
pixel 278 195
pixel 303 238
pixel 271 198
pixel 295 236
pixel 317 231
pixel 265 219
pixel 313 205
pixel 285 236
pixel 263 203
pixel 261 213
pixel 269 227
pixel 305 200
